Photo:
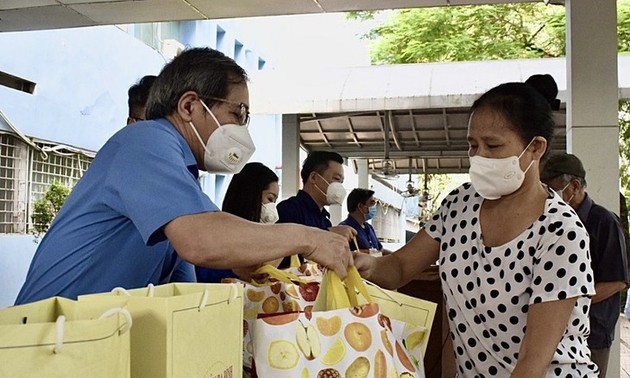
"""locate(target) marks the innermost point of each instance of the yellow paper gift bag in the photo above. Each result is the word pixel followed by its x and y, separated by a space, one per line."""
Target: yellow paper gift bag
pixel 184 329
pixel 416 314
pixel 59 337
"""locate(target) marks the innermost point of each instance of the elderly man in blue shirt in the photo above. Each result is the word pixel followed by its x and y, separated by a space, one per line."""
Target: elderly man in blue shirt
pixel 565 174
pixel 139 205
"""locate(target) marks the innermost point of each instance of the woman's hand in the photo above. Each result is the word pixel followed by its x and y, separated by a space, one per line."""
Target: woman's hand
pixel 365 264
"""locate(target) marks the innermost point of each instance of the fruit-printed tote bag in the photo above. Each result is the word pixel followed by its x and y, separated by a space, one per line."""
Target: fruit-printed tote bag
pixel 59 337
pixel 184 329
pixel 280 292
pixel 356 341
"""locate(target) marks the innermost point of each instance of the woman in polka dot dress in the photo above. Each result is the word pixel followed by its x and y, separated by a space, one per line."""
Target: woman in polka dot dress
pixel 513 257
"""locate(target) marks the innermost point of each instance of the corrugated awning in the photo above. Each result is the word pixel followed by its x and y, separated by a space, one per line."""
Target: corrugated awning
pixel 423 107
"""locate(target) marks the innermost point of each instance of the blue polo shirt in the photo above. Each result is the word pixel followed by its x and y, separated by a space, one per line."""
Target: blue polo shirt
pixel 366 236
pixel 302 209
pixel 110 230
pixel 608 260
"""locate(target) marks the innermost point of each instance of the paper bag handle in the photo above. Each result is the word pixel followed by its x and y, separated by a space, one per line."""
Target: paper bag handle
pixel 122 290
pixel 61 321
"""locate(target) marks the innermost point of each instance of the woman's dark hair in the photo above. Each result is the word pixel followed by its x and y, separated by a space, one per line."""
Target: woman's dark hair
pixel 244 194
pixel 523 107
pixel 205 71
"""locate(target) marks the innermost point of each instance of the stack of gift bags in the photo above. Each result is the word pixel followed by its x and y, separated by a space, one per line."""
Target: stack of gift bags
pixel 316 325
pixel 179 330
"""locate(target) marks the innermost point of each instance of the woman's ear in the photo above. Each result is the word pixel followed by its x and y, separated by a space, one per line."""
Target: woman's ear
pixel 185 105
pixel 538 147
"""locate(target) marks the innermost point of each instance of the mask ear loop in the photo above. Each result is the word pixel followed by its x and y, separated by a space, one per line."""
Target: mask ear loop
pixel 526 147
pixel 317 186
pixel 197 134
pixel 195 129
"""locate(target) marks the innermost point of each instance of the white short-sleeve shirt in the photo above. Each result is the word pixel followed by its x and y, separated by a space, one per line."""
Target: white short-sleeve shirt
pixel 488 289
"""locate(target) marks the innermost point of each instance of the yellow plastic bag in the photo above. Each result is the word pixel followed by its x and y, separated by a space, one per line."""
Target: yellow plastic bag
pixel 184 329
pixel 59 337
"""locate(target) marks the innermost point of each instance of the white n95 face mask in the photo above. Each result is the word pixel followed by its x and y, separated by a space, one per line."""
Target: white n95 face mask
pixel 335 194
pixel 228 148
pixel 495 178
pixel 269 213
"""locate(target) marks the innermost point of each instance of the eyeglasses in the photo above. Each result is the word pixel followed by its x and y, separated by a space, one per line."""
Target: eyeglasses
pixel 243 110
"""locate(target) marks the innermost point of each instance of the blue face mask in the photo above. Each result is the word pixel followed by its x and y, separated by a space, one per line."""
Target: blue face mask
pixel 371 213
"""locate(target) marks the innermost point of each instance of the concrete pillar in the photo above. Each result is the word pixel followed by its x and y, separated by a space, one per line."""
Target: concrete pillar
pixel 592 103
pixel 592 88
pixel 290 156
pixel 363 172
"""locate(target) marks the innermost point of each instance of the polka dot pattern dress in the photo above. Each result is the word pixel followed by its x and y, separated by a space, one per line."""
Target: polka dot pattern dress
pixel 488 290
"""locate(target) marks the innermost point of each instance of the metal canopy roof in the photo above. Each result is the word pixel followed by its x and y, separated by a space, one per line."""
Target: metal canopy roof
pixel 426 107
pixel 423 108
pixel 19 15
pixel 434 139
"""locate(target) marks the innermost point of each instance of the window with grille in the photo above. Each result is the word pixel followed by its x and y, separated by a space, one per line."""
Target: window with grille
pixel 26 174
pixel 9 183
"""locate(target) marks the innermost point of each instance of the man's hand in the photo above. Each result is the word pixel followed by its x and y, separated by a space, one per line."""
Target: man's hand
pixel 346 231
pixel 332 251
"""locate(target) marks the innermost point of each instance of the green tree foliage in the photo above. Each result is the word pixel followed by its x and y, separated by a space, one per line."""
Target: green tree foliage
pixel 46 208
pixel 486 32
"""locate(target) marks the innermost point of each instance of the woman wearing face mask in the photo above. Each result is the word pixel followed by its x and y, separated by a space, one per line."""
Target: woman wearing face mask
pixel 362 208
pixel 251 195
pixel 513 258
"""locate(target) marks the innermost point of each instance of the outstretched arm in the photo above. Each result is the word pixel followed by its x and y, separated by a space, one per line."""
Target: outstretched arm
pixel 222 240
pixel 397 269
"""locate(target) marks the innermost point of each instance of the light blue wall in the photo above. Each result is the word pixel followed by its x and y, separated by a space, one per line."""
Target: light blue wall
pixel 82 77
pixel 16 252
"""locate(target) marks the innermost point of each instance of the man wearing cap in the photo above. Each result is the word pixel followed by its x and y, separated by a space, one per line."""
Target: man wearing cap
pixel 565 174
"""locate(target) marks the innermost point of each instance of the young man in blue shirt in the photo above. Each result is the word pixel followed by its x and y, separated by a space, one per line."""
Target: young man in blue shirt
pixel 361 208
pixel 140 199
pixel 322 180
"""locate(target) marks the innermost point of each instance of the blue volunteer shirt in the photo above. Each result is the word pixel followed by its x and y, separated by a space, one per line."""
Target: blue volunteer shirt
pixel 366 236
pixel 110 231
pixel 302 209
pixel 608 259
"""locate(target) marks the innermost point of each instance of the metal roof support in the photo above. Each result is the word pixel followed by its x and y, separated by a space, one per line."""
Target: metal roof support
pixel 392 127
pixel 412 122
pixel 352 132
pixel 445 120
pixel 321 131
